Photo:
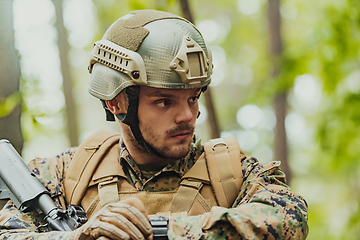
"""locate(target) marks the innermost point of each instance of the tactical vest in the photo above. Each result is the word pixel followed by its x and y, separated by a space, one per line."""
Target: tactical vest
pixel 95 178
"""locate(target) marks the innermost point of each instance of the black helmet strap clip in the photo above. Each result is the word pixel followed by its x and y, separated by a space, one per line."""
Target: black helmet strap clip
pixel 109 116
pixel 131 117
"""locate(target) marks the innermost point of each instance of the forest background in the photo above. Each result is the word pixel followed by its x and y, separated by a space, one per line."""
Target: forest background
pixel 286 83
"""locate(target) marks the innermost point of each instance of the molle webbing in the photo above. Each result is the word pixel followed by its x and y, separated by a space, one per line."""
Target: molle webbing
pixel 185 196
pixel 108 191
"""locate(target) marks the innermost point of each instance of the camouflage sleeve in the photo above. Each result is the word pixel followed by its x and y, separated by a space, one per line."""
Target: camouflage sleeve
pixel 15 224
pixel 265 208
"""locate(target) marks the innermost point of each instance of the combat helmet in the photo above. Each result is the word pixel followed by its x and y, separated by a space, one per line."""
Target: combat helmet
pixel 150 48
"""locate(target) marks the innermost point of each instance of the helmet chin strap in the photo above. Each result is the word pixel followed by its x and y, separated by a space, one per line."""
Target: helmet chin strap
pixel 131 118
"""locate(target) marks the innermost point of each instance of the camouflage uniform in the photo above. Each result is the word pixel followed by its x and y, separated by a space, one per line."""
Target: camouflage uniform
pixel 264 209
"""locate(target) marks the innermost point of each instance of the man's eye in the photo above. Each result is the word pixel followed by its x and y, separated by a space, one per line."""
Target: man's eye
pixel 193 99
pixel 163 103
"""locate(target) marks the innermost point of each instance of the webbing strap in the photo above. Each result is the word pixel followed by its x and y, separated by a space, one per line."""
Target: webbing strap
pixel 223 157
pixel 92 207
pixel 185 196
pixel 206 204
pixel 108 191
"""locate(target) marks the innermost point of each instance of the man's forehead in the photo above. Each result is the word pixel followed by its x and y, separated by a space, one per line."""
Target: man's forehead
pixel 151 91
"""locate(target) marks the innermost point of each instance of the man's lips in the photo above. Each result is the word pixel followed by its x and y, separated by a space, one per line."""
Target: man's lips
pixel 182 135
pixel 181 132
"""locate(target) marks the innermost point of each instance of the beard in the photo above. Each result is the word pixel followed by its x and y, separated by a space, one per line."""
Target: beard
pixel 160 144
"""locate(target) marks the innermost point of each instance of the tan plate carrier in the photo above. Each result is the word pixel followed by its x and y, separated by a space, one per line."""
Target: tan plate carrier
pixel 96 178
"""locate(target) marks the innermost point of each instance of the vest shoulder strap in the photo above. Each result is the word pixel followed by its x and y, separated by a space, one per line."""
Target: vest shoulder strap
pixel 220 166
pixel 86 159
pixel 223 159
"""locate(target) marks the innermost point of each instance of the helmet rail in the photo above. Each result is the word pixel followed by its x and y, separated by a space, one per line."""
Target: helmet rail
pixel 120 59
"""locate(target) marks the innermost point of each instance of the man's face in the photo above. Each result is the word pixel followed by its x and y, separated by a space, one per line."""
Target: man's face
pixel 167 118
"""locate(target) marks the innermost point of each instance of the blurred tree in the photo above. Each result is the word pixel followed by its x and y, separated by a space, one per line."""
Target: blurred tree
pixel 214 126
pixel 71 114
pixel 280 101
pixel 325 42
pixel 10 97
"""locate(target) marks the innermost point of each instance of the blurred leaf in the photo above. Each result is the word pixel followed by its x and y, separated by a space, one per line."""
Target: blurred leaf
pixel 7 105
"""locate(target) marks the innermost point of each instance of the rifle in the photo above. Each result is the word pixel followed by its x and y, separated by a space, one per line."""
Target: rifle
pixel 21 185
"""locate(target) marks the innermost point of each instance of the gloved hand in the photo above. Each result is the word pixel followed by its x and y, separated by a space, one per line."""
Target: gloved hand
pixel 125 219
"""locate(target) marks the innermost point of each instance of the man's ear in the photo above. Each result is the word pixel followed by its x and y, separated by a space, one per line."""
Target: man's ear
pixel 112 105
pixel 118 104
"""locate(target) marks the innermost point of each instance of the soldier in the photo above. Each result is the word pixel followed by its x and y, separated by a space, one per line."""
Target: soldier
pixel 149 70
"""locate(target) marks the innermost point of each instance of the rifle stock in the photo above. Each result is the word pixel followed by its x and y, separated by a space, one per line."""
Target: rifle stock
pixel 20 185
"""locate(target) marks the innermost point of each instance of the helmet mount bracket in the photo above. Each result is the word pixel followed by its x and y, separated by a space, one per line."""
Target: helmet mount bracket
pixel 190 62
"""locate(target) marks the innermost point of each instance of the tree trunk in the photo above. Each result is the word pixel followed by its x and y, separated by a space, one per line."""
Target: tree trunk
pixel 214 127
pixel 280 101
pixel 10 125
pixel 63 44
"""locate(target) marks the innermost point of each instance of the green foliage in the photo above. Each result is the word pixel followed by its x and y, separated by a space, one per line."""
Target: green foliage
pixel 329 50
pixel 338 133
pixel 7 105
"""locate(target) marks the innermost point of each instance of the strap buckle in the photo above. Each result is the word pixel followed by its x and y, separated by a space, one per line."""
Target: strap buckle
pixel 92 148
pixel 219 143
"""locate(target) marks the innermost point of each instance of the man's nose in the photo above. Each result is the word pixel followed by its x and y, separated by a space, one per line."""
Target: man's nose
pixel 184 114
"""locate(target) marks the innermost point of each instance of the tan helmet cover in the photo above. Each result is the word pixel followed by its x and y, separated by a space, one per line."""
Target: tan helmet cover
pixel 152 48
